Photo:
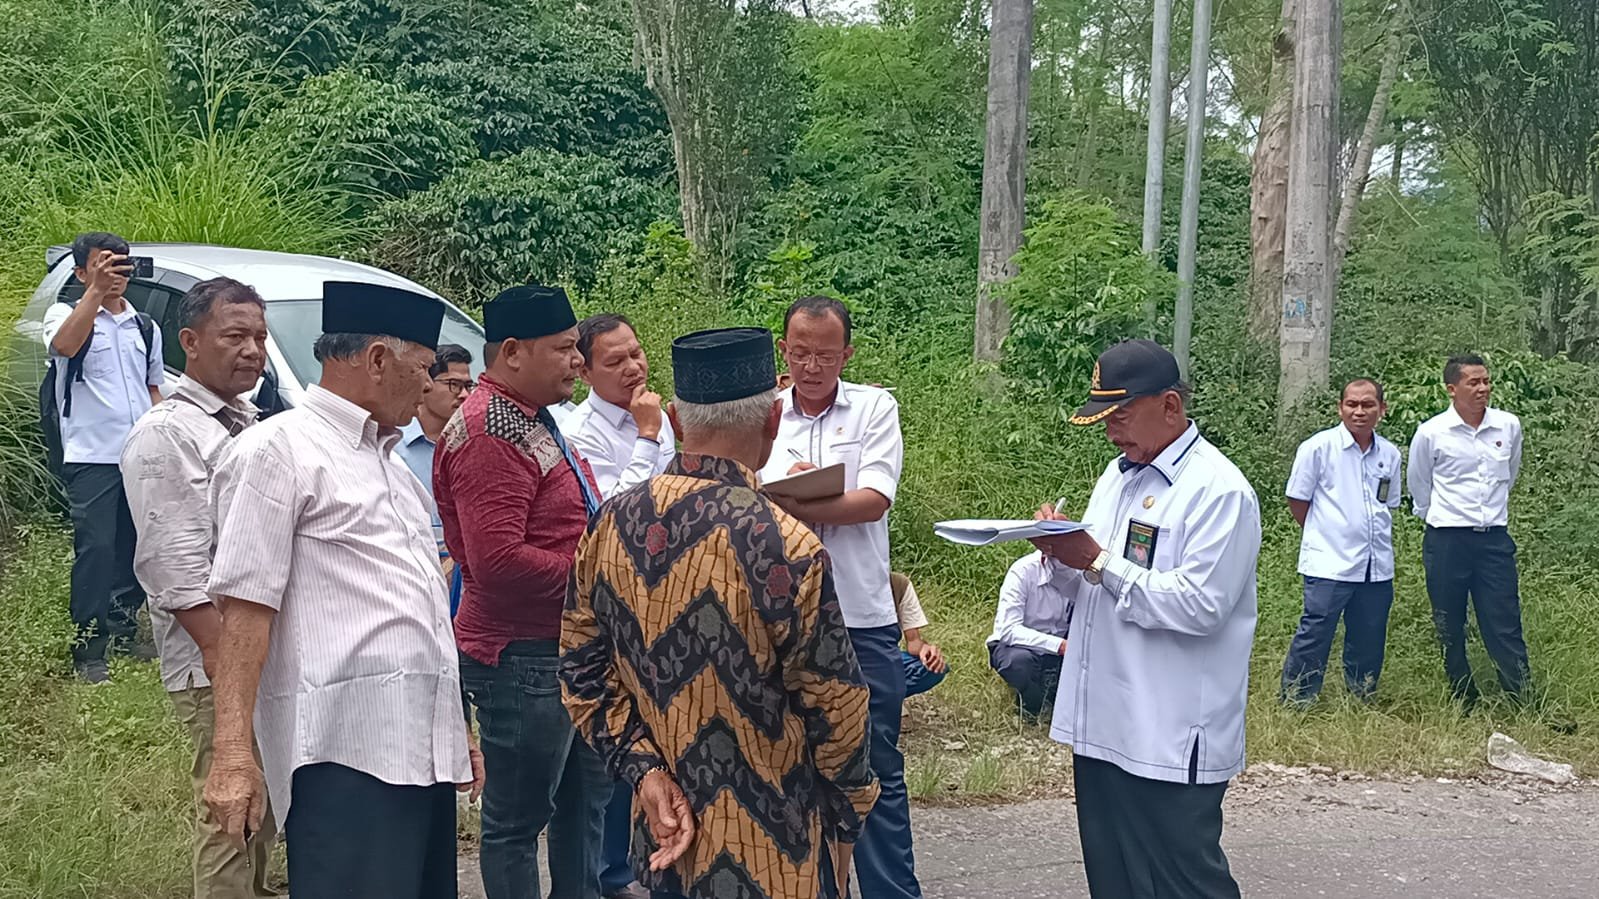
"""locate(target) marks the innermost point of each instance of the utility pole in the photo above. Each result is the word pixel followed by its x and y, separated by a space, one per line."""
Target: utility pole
pixel 1188 236
pixel 1010 68
pixel 1159 116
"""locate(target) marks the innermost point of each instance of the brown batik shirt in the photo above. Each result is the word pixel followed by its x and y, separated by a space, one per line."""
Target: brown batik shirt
pixel 702 635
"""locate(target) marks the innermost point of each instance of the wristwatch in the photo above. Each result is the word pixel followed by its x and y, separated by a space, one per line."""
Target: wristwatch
pixel 1095 572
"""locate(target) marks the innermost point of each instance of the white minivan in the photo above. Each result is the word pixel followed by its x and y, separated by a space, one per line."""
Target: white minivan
pixel 290 283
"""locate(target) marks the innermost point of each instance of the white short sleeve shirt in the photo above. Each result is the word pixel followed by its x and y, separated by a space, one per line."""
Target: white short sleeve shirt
pixel 608 438
pixel 118 373
pixel 860 430
pixel 1460 476
pixel 1352 494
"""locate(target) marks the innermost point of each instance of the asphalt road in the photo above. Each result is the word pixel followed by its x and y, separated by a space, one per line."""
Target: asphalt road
pixel 1294 835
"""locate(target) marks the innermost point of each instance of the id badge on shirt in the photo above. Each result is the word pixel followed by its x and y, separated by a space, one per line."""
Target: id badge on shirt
pixel 1384 484
pixel 1140 546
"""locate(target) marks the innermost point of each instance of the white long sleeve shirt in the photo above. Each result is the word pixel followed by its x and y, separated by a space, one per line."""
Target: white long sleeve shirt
pixel 1156 672
pixel 1460 476
pixel 1035 604
pixel 608 438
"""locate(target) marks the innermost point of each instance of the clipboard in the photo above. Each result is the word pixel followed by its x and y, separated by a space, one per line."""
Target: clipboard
pixel 818 483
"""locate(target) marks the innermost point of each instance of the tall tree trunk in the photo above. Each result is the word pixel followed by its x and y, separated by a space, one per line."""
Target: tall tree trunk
pixel 1155 148
pixel 1010 52
pixel 1360 172
pixel 1312 156
pixel 1193 156
pixel 1268 189
pixel 1396 165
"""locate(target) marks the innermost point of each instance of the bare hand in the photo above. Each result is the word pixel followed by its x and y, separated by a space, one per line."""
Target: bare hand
pixel 670 819
pixel 798 467
pixel 1075 550
pixel 475 786
pixel 235 794
pixel 932 657
pixel 645 407
pixel 842 852
pixel 108 274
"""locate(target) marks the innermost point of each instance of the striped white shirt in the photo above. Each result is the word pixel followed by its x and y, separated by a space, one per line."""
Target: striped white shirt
pixel 319 522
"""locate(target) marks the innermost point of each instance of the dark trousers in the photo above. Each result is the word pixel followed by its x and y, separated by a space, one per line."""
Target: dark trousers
pixel 538 773
pixel 105 595
pixel 616 866
pixel 1145 838
pixel 918 679
pixel 1481 564
pixel 885 866
pixel 1032 673
pixel 1364 609
pixel 353 836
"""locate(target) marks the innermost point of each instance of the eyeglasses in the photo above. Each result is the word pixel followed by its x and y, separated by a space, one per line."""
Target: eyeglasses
pixel 456 385
pixel 821 360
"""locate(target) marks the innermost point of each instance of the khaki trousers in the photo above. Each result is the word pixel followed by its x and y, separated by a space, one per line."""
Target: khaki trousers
pixel 221 871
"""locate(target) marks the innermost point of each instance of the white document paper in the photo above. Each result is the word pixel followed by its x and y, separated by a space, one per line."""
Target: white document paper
pixel 983 531
pixel 817 483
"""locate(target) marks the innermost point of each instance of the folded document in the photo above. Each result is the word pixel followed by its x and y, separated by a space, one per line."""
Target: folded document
pixel 983 531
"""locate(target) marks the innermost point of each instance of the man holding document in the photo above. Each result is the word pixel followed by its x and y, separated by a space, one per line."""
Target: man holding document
pixel 1153 684
pixel 827 421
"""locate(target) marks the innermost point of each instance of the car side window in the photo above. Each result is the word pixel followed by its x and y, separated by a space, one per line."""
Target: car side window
pixel 165 308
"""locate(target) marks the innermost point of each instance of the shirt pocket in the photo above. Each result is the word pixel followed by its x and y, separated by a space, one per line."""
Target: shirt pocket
pixel 101 360
pixel 847 452
pixel 1499 464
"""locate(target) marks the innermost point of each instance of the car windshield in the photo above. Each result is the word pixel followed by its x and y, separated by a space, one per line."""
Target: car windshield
pixel 296 324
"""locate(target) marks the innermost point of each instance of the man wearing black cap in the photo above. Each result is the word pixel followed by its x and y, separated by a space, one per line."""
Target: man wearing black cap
pixel 336 623
pixel 514 499
pixel 705 656
pixel 1153 685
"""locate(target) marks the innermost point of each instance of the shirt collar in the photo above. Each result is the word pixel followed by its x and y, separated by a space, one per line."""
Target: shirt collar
pixel 712 468
pixel 613 414
pixel 413 432
pixel 210 403
pixel 1170 460
pixel 1490 418
pixel 350 420
pixel 1047 570
pixel 495 387
pixel 841 400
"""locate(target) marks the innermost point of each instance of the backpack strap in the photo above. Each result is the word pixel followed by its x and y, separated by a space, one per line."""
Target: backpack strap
pixel 146 326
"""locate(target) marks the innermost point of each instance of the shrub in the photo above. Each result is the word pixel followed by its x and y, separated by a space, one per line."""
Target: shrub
pixel 536 216
pixel 378 139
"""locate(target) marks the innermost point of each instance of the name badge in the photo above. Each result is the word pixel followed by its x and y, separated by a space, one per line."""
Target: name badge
pixel 1383 485
pixel 1140 547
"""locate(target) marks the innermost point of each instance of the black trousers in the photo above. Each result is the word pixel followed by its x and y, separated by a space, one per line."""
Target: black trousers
pixel 1462 562
pixel 1145 838
pixel 352 836
pixel 105 595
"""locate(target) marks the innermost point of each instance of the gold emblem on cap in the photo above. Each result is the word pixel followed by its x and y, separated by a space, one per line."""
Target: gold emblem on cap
pixel 1149 502
pixel 1093 383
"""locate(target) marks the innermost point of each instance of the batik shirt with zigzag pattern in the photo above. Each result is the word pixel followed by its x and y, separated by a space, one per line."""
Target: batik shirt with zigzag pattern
pixel 702 635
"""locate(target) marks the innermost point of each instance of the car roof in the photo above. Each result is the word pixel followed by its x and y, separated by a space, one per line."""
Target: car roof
pixel 274 275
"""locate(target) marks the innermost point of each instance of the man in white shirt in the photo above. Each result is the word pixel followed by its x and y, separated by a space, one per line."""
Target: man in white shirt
pixel 1156 674
pixel 829 421
pixel 1029 638
pixel 336 636
pixel 1343 489
pixel 166 467
pixel 1463 463
pixel 619 428
pixel 622 432
pixel 107 374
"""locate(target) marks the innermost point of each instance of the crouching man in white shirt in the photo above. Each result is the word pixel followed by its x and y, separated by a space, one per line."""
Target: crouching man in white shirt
pixel 1156 671
pixel 1029 639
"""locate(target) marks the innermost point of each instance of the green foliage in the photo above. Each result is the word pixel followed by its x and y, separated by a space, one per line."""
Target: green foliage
pixel 1081 285
pixel 1560 255
pixel 535 216
pixel 28 491
pixel 380 139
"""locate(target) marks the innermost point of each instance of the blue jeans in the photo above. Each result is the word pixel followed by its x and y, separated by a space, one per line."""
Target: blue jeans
pixel 917 678
pixel 1364 609
pixel 616 866
pixel 538 773
pixel 1032 673
pixel 885 866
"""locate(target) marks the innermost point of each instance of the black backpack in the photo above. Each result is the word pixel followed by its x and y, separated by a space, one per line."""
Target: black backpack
pixel 49 416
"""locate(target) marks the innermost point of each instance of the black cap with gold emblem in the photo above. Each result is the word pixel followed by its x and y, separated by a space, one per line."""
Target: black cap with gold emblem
pixel 1127 371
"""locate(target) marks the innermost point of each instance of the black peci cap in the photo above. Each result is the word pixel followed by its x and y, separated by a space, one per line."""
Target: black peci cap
pixel 526 312
pixel 722 365
pixel 1127 371
pixel 352 307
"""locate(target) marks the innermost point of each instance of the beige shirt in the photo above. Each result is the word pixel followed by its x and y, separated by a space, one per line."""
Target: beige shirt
pixel 166 470
pixel 319 522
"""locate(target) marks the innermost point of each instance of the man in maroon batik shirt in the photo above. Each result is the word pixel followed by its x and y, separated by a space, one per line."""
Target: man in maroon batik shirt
pixel 514 499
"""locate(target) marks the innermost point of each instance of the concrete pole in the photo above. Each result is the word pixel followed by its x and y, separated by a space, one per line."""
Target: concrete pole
pixel 1188 237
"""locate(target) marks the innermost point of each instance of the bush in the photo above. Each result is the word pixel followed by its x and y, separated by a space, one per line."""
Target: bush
pixel 378 140
pixel 536 216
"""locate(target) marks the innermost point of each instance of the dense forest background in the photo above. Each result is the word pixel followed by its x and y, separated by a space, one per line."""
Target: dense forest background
pixel 692 163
